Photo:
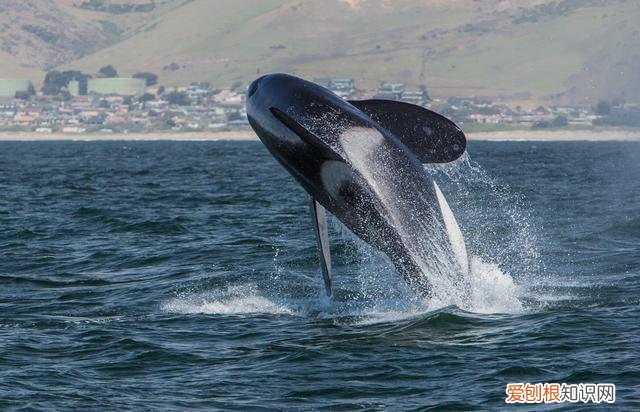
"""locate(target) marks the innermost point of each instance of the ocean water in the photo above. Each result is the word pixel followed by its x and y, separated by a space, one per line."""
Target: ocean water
pixel 184 275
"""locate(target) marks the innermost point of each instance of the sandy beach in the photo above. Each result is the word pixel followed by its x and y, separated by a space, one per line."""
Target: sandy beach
pixel 187 136
pixel 510 135
pixel 557 135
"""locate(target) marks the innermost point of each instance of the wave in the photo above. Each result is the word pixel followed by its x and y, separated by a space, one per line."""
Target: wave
pixel 234 300
pixel 492 292
pixel 501 241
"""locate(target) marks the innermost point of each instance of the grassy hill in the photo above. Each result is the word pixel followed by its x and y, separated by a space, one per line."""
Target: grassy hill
pixel 37 34
pixel 575 51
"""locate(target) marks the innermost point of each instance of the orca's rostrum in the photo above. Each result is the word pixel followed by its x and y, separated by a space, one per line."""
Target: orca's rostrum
pixel 363 162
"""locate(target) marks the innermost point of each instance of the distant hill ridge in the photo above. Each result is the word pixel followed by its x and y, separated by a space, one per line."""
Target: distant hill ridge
pixel 562 51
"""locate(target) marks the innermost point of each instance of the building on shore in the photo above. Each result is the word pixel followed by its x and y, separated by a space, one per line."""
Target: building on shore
pixel 9 87
pixel 323 81
pixel 123 86
pixel 390 91
pixel 344 88
pixel 74 88
pixel 417 97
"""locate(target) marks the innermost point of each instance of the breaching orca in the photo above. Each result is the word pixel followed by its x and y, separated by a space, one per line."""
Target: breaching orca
pixel 363 162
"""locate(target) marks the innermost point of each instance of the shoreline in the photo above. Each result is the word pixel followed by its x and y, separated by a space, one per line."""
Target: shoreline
pixel 248 135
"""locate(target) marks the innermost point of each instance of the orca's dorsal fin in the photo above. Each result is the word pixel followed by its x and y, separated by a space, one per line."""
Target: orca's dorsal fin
pixel 319 217
pixel 431 137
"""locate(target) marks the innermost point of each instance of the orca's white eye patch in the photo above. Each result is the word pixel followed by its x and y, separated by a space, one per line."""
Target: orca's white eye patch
pixel 360 141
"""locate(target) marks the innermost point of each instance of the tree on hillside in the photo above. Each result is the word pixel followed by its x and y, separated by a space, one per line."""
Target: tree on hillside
pixel 171 67
pixel 541 124
pixel 22 95
pixel 423 89
pixel 25 94
pixel 231 116
pixel 150 78
pixel 147 97
pixel 55 81
pixel 108 71
pixel 603 108
pixel 65 96
pixel 177 98
pixel 626 117
pixel 560 121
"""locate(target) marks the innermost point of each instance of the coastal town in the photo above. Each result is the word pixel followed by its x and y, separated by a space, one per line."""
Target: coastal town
pixel 72 103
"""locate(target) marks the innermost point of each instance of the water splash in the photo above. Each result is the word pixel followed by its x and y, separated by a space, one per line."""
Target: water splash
pixel 380 294
pixel 499 237
pixel 233 300
pixel 500 243
pixel 494 218
pixel 492 290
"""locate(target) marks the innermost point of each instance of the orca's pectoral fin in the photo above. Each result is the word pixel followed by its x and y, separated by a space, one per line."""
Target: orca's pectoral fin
pixel 431 137
pixel 319 217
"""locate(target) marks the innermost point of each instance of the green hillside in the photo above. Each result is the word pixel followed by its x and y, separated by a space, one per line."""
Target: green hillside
pixel 575 51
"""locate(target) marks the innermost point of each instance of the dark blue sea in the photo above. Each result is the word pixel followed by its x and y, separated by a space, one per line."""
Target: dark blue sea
pixel 184 275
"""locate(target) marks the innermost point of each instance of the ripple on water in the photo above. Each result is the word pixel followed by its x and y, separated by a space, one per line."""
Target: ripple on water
pixel 188 279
